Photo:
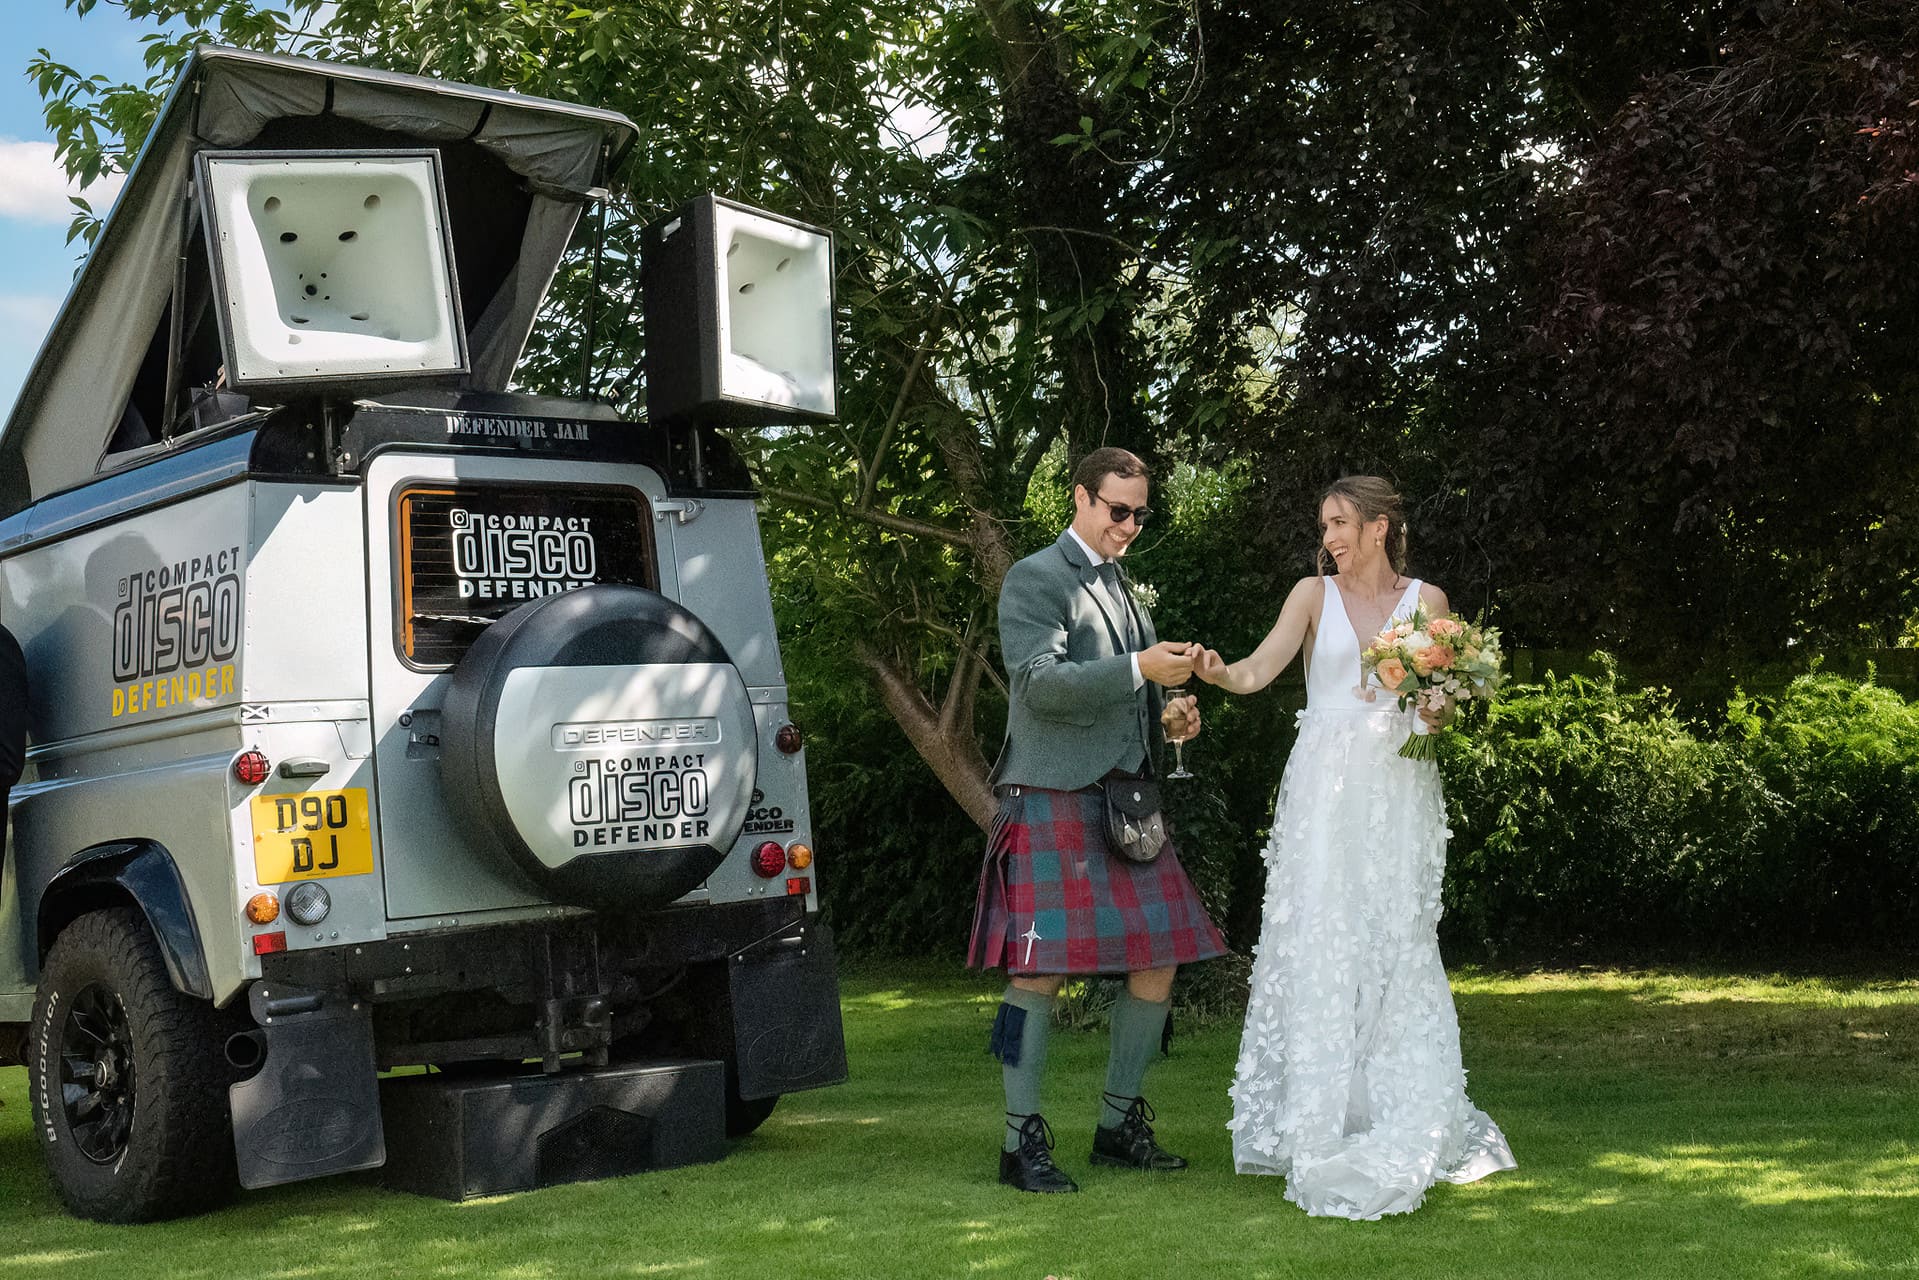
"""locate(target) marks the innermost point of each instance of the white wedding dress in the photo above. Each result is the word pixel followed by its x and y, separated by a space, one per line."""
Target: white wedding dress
pixel 1349 1083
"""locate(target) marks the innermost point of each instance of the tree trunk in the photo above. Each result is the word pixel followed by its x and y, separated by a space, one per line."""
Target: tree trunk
pixel 943 736
pixel 1072 204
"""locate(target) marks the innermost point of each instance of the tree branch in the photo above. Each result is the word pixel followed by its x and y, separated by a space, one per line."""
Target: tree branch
pixel 953 756
pixel 956 709
pixel 897 524
pixel 872 478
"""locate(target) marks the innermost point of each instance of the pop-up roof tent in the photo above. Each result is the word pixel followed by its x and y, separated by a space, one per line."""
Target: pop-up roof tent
pixel 516 171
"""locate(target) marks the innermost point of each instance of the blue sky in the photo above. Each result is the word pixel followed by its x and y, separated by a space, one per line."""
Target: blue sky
pixel 36 262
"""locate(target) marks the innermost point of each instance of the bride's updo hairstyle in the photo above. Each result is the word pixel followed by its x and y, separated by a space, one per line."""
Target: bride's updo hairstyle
pixel 1374 498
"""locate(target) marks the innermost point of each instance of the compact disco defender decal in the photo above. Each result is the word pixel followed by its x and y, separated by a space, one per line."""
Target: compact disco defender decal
pixel 604 740
pixel 471 554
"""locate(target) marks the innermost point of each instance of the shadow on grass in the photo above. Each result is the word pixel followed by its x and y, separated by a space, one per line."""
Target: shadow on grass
pixel 1665 1126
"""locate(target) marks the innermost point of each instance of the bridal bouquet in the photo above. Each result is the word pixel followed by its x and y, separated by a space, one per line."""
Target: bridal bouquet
pixel 1426 660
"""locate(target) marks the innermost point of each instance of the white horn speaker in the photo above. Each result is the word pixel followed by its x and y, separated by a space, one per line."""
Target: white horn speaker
pixel 332 268
pixel 739 317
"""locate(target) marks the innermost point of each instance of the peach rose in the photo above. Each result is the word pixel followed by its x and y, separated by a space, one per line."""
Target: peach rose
pixel 1445 628
pixel 1434 657
pixel 1392 674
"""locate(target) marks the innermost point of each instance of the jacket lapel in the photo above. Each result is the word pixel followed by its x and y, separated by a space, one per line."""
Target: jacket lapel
pixel 1142 620
pixel 1088 574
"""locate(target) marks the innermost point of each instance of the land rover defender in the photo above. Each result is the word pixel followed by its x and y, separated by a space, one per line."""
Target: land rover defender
pixel 411 779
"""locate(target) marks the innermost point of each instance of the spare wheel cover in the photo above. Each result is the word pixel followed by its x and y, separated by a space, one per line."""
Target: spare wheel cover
pixel 603 738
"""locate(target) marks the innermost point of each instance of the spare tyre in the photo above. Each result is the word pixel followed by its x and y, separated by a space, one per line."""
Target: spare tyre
pixel 603 740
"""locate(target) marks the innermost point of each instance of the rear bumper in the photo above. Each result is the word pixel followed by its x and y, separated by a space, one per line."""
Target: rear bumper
pixel 760 977
pixel 514 959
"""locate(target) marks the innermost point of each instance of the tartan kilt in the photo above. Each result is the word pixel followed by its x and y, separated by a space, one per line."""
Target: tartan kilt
pixel 1047 874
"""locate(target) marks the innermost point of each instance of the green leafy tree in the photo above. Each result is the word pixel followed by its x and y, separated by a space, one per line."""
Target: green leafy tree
pixel 1720 352
pixel 1613 292
pixel 999 274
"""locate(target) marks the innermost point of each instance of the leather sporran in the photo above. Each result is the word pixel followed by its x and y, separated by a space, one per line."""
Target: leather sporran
pixel 1135 827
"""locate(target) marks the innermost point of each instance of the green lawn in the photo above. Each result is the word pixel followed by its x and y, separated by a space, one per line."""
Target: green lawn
pixel 1666 1125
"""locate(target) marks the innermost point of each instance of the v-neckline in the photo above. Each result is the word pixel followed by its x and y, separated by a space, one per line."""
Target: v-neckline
pixel 1344 612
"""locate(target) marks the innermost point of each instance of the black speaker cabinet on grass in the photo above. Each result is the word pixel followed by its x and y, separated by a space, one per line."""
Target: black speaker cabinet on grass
pixel 456 1137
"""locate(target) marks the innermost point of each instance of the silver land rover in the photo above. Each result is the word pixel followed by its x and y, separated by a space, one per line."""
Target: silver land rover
pixel 411 782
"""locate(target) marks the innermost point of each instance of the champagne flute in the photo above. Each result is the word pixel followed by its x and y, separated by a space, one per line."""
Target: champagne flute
pixel 1179 761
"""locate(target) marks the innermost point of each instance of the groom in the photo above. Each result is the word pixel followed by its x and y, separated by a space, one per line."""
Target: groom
pixel 1085 673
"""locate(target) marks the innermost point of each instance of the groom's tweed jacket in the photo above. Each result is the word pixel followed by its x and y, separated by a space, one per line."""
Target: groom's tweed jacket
pixel 1074 715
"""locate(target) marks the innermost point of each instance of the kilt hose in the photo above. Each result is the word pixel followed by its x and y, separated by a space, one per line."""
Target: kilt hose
pixel 1053 900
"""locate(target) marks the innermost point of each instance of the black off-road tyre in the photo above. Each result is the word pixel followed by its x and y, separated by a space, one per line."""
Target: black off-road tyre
pixel 152 1136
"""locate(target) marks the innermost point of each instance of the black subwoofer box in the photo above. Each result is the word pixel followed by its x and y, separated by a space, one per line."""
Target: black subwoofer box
pixel 457 1137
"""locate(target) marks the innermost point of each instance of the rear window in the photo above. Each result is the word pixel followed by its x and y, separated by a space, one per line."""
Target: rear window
pixel 472 554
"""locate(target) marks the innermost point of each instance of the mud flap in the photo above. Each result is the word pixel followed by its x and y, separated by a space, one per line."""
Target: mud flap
pixel 313 1108
pixel 786 1014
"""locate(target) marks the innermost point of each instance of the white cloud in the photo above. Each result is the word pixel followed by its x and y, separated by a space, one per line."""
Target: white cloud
pixel 34 188
pixel 24 321
pixel 26 316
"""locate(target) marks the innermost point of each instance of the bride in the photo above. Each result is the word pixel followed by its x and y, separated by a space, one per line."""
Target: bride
pixel 1349 1082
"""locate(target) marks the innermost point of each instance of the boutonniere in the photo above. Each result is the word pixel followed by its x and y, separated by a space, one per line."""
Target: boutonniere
pixel 1145 593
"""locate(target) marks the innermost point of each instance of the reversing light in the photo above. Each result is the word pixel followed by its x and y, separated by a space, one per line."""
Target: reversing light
pixel 789 739
pixel 799 856
pixel 263 908
pixel 251 766
pixel 309 903
pixel 769 860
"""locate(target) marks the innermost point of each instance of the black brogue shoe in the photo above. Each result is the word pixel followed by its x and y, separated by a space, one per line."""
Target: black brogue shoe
pixel 1130 1144
pixel 1031 1167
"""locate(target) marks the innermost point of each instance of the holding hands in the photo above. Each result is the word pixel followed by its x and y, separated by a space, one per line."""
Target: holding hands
pixel 1209 666
pixel 1168 663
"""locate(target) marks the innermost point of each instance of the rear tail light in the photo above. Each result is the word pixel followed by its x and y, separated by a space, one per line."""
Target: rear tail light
pixel 251 767
pixel 769 860
pixel 788 738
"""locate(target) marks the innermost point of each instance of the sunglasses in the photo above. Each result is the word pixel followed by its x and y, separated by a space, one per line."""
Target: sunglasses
pixel 1121 513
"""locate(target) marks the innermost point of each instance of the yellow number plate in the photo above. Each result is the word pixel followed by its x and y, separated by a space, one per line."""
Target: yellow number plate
pixel 311 835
